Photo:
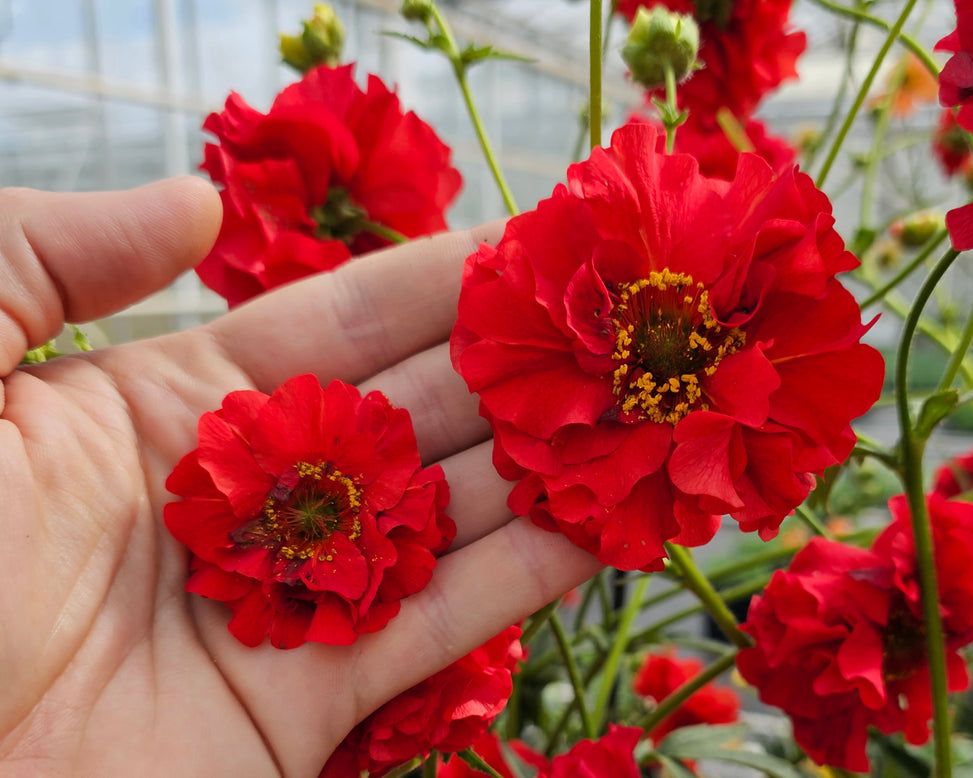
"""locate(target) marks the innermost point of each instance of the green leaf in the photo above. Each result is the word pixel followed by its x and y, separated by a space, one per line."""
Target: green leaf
pixel 771 765
pixel 422 44
pixel 81 342
pixel 475 761
pixel 683 740
pixel 40 354
pixel 674 767
pixel 474 54
pixel 934 409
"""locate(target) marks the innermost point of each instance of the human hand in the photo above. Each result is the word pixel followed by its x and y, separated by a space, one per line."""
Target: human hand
pixel 108 667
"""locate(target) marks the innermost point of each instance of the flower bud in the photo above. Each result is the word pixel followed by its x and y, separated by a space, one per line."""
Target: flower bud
pixel 416 10
pixel 319 44
pixel 658 38
pixel 917 228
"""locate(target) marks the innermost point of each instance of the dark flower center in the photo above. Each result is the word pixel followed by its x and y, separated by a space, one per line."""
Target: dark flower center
pixel 716 11
pixel 309 504
pixel 339 218
pixel 665 336
pixel 905 643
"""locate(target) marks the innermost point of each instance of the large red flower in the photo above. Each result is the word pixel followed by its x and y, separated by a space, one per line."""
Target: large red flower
pixel 447 712
pixel 654 348
pixel 612 755
pixel 661 674
pixel 318 179
pixel 308 512
pixel 839 639
pixel 746 49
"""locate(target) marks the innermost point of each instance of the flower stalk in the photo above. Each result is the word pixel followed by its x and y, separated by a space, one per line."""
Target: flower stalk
pixel 594 73
pixel 912 449
pixel 699 585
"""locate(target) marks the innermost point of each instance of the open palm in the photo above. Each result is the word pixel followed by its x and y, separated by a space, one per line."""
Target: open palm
pixel 107 667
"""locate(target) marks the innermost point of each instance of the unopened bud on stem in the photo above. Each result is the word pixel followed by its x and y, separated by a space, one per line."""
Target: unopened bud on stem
pixel 319 44
pixel 657 38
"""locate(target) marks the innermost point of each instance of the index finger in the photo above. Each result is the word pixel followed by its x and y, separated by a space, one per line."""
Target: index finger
pixel 353 322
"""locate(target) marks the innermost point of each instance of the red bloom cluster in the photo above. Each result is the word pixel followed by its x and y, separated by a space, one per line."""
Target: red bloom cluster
pixel 661 674
pixel 839 639
pixel 955 477
pixel 447 712
pixel 956 90
pixel 308 512
pixel 318 179
pixel 487 747
pixel 654 348
pixel 745 46
pixel 611 755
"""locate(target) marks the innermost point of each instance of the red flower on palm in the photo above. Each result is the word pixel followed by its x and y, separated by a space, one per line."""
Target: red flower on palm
pixel 654 348
pixel 328 173
pixel 746 49
pixel 308 512
pixel 448 712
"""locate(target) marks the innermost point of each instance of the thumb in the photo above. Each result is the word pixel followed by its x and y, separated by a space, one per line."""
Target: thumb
pixel 76 257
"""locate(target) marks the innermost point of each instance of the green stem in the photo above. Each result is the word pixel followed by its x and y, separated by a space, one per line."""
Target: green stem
pixel 459 68
pixel 671 109
pixel 699 585
pixel 894 33
pixel 687 690
pixel 812 522
pixel 572 666
pixel 907 270
pixel 839 97
pixel 477 762
pixel 632 608
pixel 594 76
pixel 912 449
pixel 537 621
pixel 904 38
pixel 404 769
pixel 958 355
pixel 430 766
pixel 392 236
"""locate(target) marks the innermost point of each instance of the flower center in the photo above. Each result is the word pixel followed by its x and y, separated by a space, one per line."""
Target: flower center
pixel 339 218
pixel 665 336
pixel 716 11
pixel 309 504
pixel 905 643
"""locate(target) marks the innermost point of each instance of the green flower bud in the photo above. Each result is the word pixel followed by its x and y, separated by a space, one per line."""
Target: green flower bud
pixel 319 44
pixel 416 10
pixel 915 229
pixel 657 38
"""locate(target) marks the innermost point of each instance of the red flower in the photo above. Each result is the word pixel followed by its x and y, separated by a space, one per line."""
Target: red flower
pixel 746 49
pixel 487 747
pixel 308 512
pixel 956 89
pixel 318 179
pixel 839 639
pixel 955 477
pixel 611 755
pixel 717 156
pixel 951 145
pixel 447 712
pixel 654 348
pixel 661 675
